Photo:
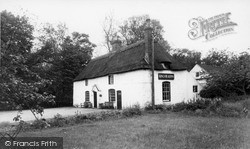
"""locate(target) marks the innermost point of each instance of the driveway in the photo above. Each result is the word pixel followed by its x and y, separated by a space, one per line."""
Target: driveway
pixel 7 116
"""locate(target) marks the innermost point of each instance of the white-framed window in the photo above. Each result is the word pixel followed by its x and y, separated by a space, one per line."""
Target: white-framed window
pixel 166 91
pixel 86 95
pixel 195 88
pixel 111 79
pixel 111 95
pixel 86 82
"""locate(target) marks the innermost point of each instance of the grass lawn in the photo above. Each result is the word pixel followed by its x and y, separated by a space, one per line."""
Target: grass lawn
pixel 170 130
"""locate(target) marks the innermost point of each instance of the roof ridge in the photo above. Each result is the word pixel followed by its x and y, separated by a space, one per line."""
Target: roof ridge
pixel 124 48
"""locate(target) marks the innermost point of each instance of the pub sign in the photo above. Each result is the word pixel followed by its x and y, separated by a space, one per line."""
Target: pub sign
pixel 165 76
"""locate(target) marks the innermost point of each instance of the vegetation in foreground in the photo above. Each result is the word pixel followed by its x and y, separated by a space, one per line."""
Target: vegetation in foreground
pixel 164 130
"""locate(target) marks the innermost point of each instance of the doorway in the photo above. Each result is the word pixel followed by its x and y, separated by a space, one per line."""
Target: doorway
pixel 119 99
pixel 95 99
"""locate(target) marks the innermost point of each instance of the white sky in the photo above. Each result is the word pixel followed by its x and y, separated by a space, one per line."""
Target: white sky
pixel 87 16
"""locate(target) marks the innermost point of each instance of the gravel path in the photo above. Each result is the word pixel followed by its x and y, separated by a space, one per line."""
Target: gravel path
pixel 7 116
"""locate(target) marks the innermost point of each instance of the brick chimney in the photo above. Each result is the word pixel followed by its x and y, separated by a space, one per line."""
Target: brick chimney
pixel 116 44
pixel 148 39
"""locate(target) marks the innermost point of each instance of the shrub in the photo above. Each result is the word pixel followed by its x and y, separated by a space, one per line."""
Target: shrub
pixel 40 124
pixel 235 98
pixel 58 121
pixel 228 111
pixel 179 106
pixel 132 111
pixel 148 107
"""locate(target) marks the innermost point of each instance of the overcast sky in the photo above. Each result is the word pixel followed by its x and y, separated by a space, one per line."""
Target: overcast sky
pixel 87 16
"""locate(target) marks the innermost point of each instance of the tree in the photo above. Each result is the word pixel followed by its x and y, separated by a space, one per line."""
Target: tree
pixel 132 31
pixel 61 62
pixel 76 53
pixel 110 31
pixel 217 57
pixel 233 78
pixel 187 57
pixel 19 86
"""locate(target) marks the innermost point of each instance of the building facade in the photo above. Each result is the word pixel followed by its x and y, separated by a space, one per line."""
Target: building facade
pixel 123 77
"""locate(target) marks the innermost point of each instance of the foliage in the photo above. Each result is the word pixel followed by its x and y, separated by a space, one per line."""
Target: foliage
pixel 39 124
pixel 187 57
pixel 132 111
pixel 217 57
pixel 234 78
pixel 132 31
pixel 60 59
pixel 58 121
pixel 20 86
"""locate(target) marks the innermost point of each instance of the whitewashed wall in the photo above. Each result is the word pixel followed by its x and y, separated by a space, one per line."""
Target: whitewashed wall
pixel 181 87
pixel 195 69
pixel 135 87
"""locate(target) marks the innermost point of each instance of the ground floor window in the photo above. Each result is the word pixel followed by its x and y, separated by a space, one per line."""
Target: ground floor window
pixel 111 95
pixel 86 95
pixel 166 91
pixel 195 88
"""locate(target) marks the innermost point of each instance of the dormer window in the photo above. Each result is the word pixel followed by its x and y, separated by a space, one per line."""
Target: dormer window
pixel 165 65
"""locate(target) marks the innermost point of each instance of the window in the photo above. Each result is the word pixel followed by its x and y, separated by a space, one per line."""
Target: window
pixel 86 82
pixel 195 88
pixel 111 79
pixel 111 95
pixel 166 91
pixel 197 74
pixel 86 95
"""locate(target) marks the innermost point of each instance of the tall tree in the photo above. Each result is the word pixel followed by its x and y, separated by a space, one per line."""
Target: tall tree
pixel 60 62
pixel 19 86
pixel 132 30
pixel 110 31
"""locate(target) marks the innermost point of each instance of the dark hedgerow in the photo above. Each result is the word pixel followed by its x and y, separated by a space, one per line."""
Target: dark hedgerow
pixel 59 121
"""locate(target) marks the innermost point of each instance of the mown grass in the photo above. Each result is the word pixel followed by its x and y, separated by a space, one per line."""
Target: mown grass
pixel 166 130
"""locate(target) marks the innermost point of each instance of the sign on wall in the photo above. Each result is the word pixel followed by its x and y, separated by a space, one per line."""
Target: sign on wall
pixel 165 76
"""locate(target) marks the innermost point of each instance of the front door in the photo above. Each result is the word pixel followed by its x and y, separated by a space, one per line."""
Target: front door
pixel 119 100
pixel 95 99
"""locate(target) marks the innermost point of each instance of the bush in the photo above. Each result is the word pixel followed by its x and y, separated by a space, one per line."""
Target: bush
pixel 40 124
pixel 58 121
pixel 179 107
pixel 228 110
pixel 235 98
pixel 132 111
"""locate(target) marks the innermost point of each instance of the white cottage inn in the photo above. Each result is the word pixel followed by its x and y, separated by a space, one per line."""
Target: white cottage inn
pixel 140 73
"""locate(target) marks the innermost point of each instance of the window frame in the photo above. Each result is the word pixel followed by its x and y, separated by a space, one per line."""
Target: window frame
pixel 195 88
pixel 197 74
pixel 111 79
pixel 87 96
pixel 112 96
pixel 166 91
